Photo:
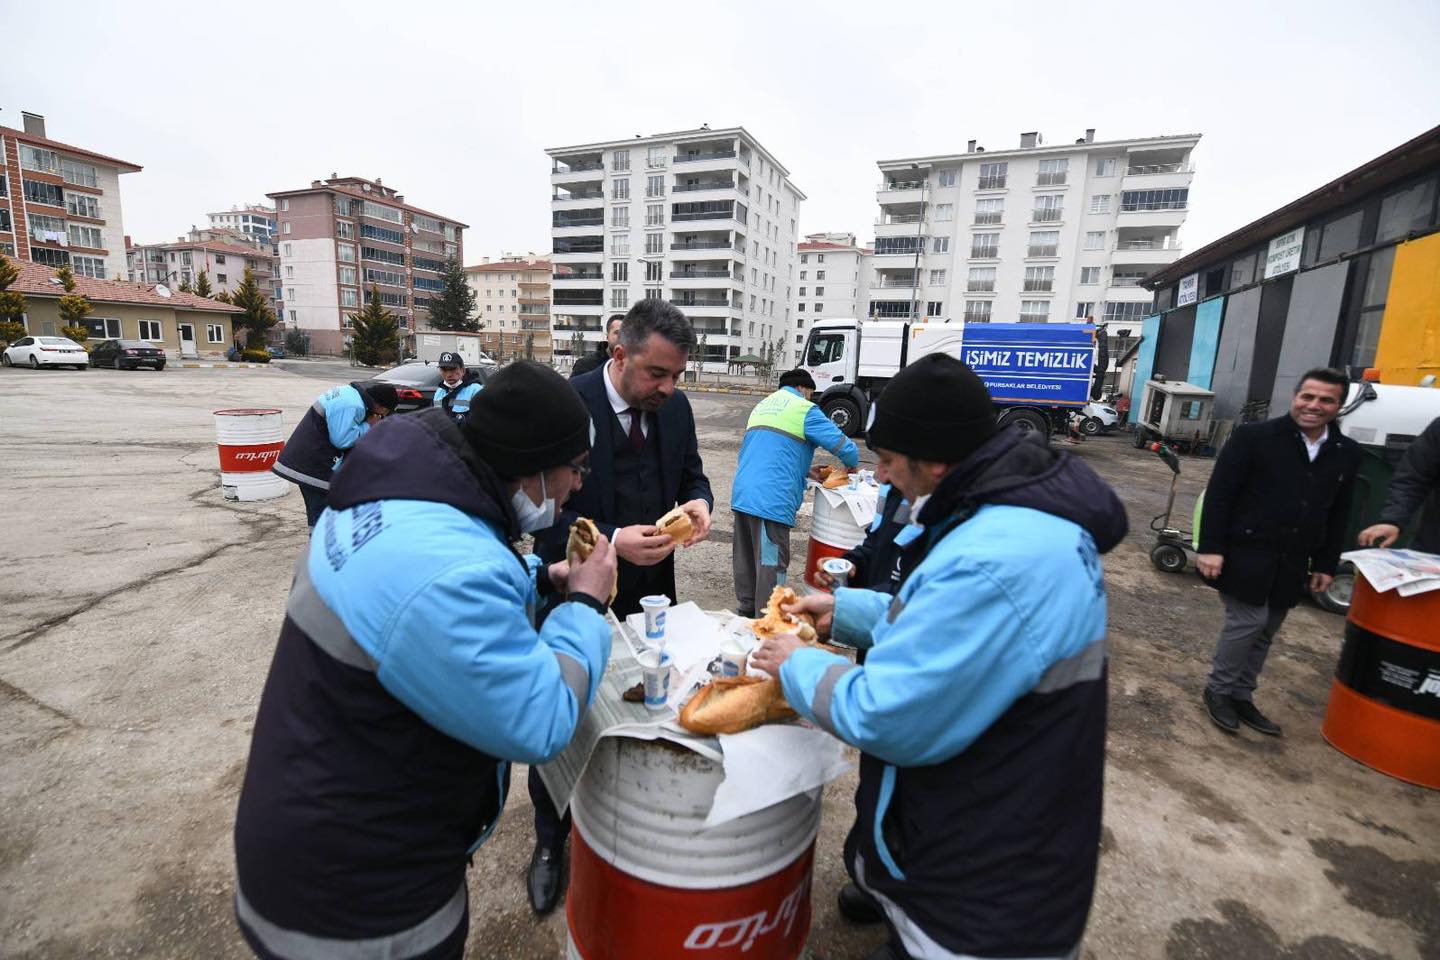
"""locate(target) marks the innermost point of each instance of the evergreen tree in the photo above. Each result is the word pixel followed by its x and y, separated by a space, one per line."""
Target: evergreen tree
pixel 258 316
pixel 577 345
pixel 375 332
pixel 452 307
pixel 222 297
pixel 185 286
pixel 202 285
pixel 74 308
pixel 12 305
pixel 529 346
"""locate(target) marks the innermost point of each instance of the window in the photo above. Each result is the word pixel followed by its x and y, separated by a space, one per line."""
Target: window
pixel 989 210
pixel 423 222
pixel 88 267
pixel 992 176
pixel 820 258
pixel 285 205
pixel 49 194
pixel 620 272
pixel 1126 278
pixel 1405 210
pixel 944 212
pixel 34 158
pixel 985 246
pixel 1137 200
pixel 819 291
pixel 620 217
pixel 1372 306
pixel 347 275
pixel 219 258
pixel 1052 172
pixel 51 258
pixel 150 330
pixel 85 236
pixel 286 231
pixel 214 333
pixel 1039 279
pixel 654 243
pixel 1126 312
pixel 1085 310
pixel 801 308
pixel 620 189
pixel 345 252
pixel 387 277
pixel 290 271
pixel 655 186
pixel 1094 240
pixel 940 245
pixel 343 230
pixel 1034 311
pixel 379 211
pixel 654 271
pixel 802 291
pixel 819 274
pixel 977 311
pixel 934 308
pixel 620 160
pixel 981 280
pixel 222 278
pixel 425 263
pixel 818 307
pixel 80 174
pixel 1105 167
pixel 1049 208
pixel 427 283
pixel 802 274
pixel 654 156
pixel 103 328
pixel 946 177
pixel 620 245
pixel 1100 203
pixel 370 253
pixel 46 229
pixel 824 348
pixel 937 278
pixel 1089 275
pixel 619 298
pixel 1044 243
pixel 1340 235
pixel 804 258
pixel 290 292
pixel 349 297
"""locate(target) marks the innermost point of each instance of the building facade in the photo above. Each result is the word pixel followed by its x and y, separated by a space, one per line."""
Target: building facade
pixel 180 263
pixel 833 280
pixel 60 204
pixel 1045 232
pixel 253 219
pixel 512 303
pixel 704 218
pixel 340 239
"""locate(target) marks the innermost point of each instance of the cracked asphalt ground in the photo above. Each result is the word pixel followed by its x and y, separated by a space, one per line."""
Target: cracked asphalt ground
pixel 140 612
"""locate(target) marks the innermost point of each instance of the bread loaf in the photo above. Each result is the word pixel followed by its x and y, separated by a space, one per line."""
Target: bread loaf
pixel 677 525
pixel 775 621
pixel 583 537
pixel 733 704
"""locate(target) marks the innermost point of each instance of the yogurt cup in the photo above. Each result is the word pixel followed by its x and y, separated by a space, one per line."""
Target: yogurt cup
pixel 654 608
pixel 655 666
pixel 733 656
pixel 839 570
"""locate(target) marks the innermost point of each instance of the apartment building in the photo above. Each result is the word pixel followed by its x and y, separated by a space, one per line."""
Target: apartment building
pixel 254 219
pixel 1044 232
pixel 704 218
pixel 512 303
pixel 833 281
pixel 179 263
pixel 341 237
pixel 59 203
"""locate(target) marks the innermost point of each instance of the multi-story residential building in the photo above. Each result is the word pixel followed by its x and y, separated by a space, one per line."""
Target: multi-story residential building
pixel 254 219
pixel 833 281
pixel 1046 232
pixel 342 238
pixel 512 303
pixel 59 203
pixel 704 218
pixel 179 263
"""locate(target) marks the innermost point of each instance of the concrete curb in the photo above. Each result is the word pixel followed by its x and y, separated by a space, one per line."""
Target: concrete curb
pixel 222 365
pixel 733 391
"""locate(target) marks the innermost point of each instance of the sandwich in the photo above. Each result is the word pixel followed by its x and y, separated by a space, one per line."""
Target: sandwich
pixel 775 621
pixel 676 524
pixel 734 704
pixel 583 537
pixel 833 478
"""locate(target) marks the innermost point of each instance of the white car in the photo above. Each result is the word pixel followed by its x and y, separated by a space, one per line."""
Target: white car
pixel 37 352
pixel 1098 418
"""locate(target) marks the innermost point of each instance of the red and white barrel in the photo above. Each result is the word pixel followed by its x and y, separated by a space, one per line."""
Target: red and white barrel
pixel 647 879
pixel 833 531
pixel 250 442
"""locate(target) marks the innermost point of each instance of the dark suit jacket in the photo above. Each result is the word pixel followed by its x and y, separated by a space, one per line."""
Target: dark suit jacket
pixel 591 361
pixel 1275 515
pixel 682 476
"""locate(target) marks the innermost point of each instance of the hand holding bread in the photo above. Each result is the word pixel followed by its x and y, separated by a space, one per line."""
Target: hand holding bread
pixel 593 569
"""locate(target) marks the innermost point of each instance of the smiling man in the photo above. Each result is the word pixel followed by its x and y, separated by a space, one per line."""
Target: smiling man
pixel 1272 526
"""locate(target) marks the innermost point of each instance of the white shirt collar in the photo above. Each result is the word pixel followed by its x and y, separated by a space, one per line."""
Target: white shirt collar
pixel 1313 449
pixel 617 402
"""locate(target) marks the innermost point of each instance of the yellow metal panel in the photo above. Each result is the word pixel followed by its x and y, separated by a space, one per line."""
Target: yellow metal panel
pixel 1409 346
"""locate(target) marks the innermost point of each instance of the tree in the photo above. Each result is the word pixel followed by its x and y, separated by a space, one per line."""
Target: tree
pixel 74 308
pixel 202 285
pixel 451 309
pixel 222 296
pixel 529 346
pixel 185 286
pixel 700 354
pixel 258 316
pixel 375 332
pixel 12 305
pixel 577 345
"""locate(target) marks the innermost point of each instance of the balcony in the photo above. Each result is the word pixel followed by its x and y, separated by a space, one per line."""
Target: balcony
pixel 704 155
pixel 1157 176
pixel 586 249
pixel 1051 178
pixel 980 286
pixel 891 309
pixel 1039 286
pixel 977 316
pixel 1156 252
pixel 578 218
pixel 991 183
pixel 578 195
pixel 592 276
pixel 900 190
pixel 905 246
pixel 698 274
pixel 896 283
pixel 1047 215
pixel 702 245
pixel 1156 215
pixel 579 298
pixel 985 252
pixel 988 218
pixel 685 299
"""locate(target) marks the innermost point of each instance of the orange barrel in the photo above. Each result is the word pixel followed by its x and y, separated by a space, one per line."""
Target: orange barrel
pixel 647 879
pixel 250 442
pixel 1384 705
pixel 833 531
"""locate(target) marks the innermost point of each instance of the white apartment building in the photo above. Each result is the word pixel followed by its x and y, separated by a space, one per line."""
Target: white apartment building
pixel 1046 232
pixel 704 218
pixel 833 280
pixel 256 219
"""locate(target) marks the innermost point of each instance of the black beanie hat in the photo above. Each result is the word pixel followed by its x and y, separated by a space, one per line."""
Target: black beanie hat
pixel 526 419
pixel 797 378
pixel 382 395
pixel 934 409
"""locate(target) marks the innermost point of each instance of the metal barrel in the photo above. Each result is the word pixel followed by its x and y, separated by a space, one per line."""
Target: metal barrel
pixel 250 441
pixel 833 530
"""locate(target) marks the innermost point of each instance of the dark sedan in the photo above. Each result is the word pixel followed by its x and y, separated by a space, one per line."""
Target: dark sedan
pixel 127 355
pixel 415 383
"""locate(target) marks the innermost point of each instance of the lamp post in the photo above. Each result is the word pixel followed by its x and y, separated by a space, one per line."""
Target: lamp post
pixel 919 245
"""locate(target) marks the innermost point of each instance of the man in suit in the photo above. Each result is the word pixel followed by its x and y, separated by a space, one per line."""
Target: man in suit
pixel 644 460
pixel 1272 526
pixel 592 361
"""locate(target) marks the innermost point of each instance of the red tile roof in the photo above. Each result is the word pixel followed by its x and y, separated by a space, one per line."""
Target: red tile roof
pixel 823 246
pixel 124 165
pixel 35 278
pixel 214 246
pixel 511 266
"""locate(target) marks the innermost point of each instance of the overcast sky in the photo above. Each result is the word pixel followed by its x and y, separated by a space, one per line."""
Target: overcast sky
pixel 454 107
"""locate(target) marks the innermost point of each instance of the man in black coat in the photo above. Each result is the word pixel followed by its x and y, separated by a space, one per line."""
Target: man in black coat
pixel 592 361
pixel 1416 481
pixel 1272 525
pixel 644 460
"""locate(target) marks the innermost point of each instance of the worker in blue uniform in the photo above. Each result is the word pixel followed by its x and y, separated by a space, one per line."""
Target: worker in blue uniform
pixel 408 676
pixel 458 386
pixel 780 440
pixel 335 422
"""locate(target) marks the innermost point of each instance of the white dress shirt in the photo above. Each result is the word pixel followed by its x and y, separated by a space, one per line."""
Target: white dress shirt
pixel 618 404
pixel 1314 448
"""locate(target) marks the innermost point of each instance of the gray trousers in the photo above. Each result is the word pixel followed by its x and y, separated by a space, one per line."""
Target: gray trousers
pixel 1243 644
pixel 761 555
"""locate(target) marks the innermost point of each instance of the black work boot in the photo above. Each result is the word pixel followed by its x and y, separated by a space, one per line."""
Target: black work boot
pixel 543 880
pixel 1253 718
pixel 857 906
pixel 1222 711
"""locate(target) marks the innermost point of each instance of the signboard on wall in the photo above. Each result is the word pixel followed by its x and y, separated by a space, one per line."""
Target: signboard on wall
pixel 1189 290
pixel 1283 255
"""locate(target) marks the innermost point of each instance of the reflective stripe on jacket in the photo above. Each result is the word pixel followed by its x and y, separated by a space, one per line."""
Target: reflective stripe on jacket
pixel 780 440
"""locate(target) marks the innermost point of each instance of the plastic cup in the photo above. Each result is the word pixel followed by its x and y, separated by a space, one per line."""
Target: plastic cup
pixel 854 483
pixel 839 571
pixel 654 609
pixel 733 656
pixel 655 664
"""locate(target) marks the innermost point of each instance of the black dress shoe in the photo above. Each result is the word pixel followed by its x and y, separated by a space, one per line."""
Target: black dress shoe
pixel 1254 719
pixel 857 906
pixel 543 879
pixel 1222 711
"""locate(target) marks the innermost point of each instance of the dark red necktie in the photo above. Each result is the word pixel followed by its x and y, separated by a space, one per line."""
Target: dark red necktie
pixel 637 434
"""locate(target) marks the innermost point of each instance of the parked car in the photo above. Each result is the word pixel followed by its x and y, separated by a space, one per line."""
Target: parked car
pixel 37 352
pixel 1098 418
pixel 276 352
pixel 127 355
pixel 415 383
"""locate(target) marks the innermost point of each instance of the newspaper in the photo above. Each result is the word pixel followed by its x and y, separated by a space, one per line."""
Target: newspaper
pixel 810 757
pixel 860 502
pixel 1407 572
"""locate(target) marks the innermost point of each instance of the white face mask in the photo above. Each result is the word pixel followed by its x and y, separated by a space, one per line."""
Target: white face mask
pixel 532 516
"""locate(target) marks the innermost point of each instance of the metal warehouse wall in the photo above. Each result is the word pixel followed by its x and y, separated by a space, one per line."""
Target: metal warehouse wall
pixel 1310 325
pixel 1409 346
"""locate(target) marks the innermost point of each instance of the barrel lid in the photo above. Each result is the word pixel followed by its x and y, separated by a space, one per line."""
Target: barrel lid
pixel 246 412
